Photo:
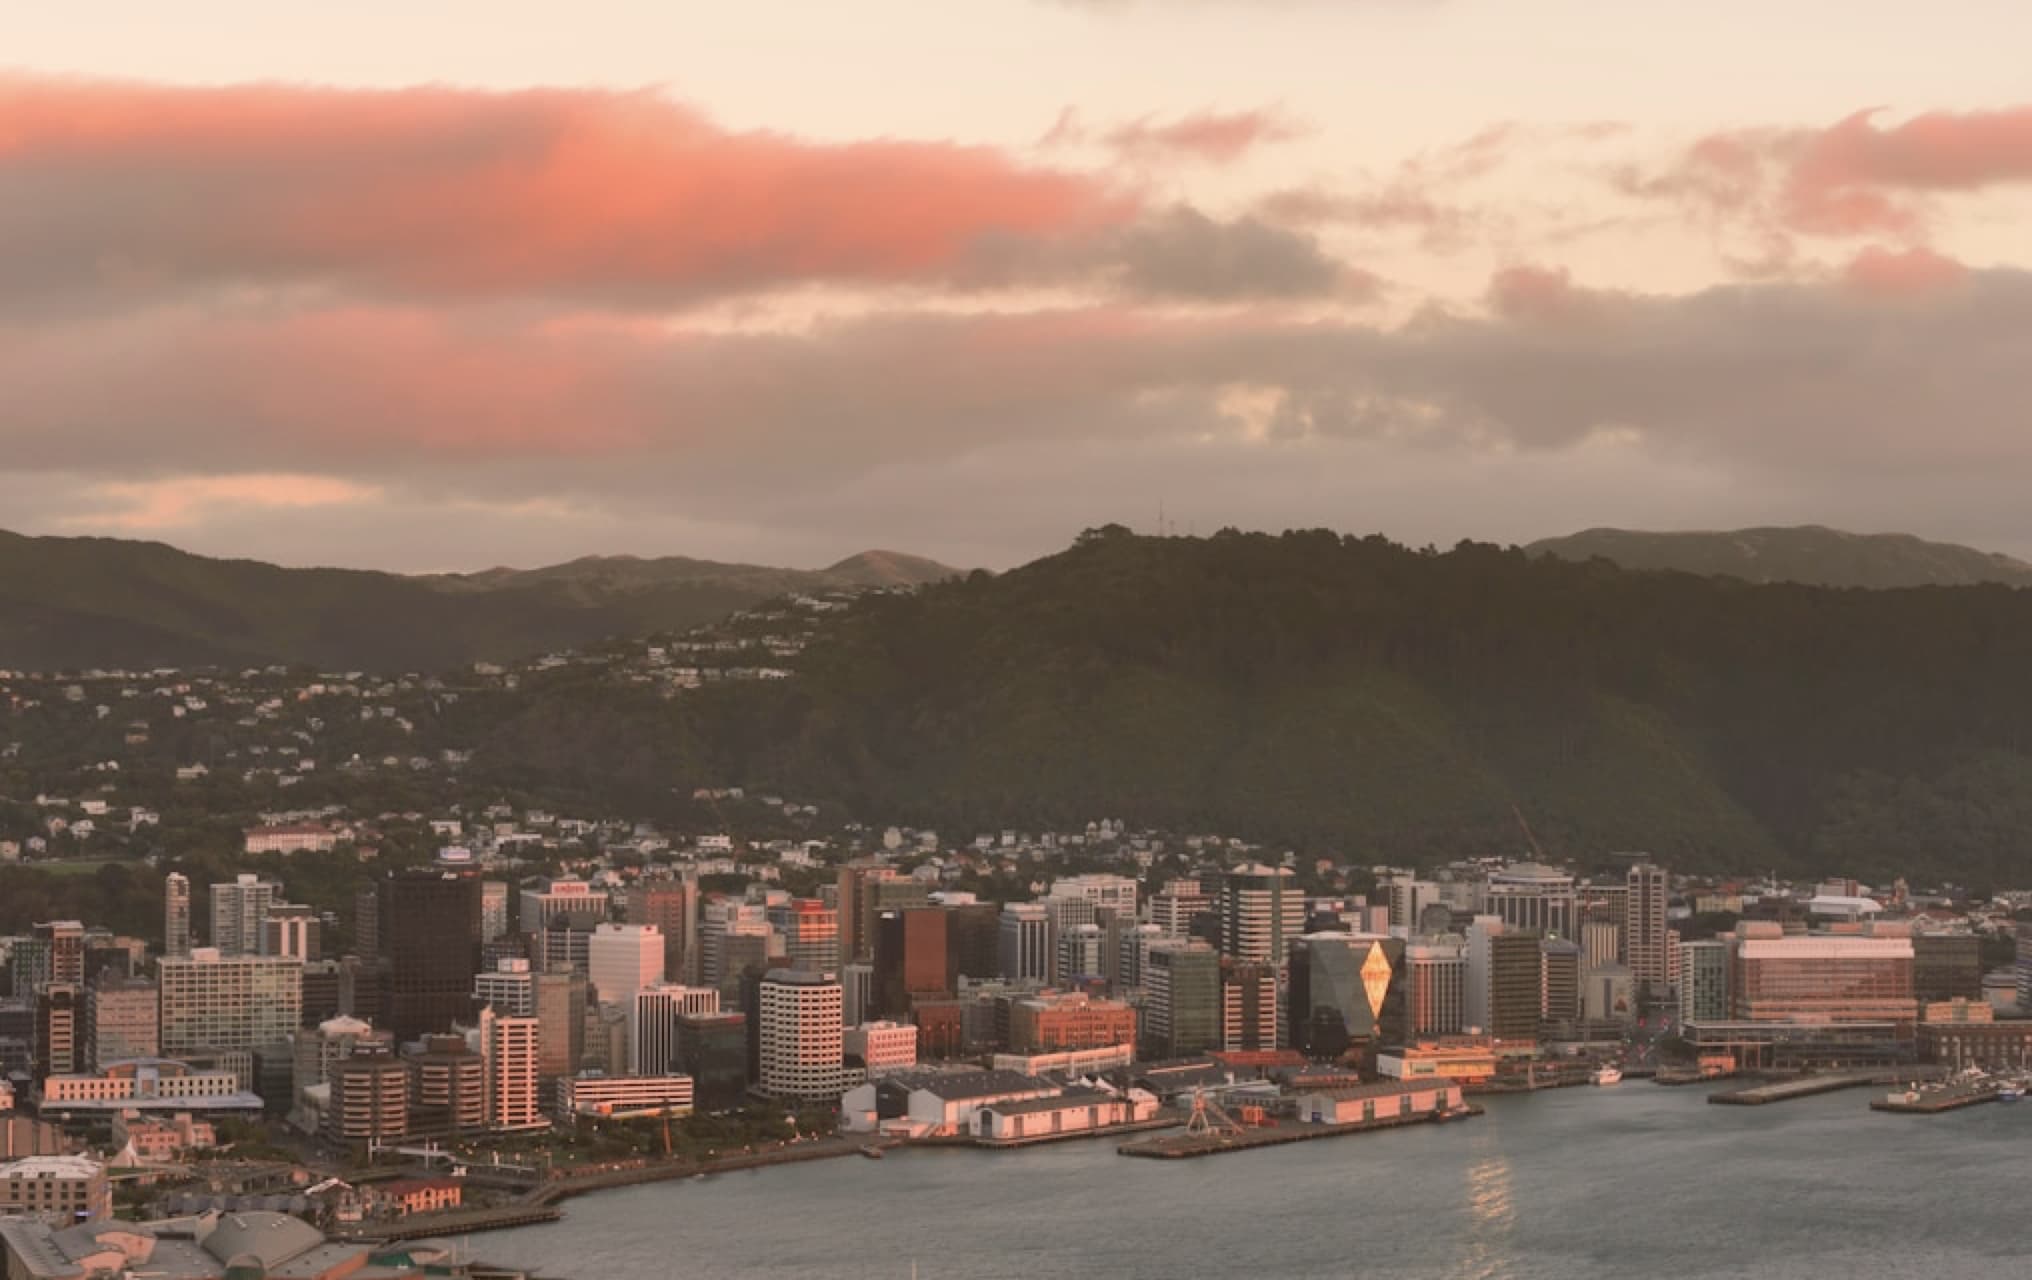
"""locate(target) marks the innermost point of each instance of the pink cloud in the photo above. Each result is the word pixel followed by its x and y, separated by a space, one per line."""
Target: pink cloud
pixel 1902 273
pixel 1208 137
pixel 1534 293
pixel 1854 177
pixel 475 194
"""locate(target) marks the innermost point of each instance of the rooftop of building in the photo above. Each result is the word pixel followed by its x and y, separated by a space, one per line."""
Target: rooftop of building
pixel 1379 1089
pixel 961 1086
pixel 1069 1098
pixel 51 1167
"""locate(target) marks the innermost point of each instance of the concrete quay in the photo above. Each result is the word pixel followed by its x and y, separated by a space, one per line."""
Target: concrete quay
pixel 1184 1146
pixel 1758 1095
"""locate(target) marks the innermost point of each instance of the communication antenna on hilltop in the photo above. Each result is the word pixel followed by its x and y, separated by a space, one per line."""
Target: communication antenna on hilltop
pixel 1160 517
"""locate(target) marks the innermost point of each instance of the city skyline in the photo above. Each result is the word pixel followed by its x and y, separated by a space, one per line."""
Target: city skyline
pixel 783 283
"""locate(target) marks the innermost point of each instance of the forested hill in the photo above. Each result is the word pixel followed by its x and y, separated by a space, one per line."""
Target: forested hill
pixel 1353 696
pixel 69 603
pixel 1806 553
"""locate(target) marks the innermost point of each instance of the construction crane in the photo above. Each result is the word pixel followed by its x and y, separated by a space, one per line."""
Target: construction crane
pixel 1208 1118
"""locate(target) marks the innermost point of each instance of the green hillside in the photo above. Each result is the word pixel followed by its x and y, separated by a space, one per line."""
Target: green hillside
pixel 1356 697
pixel 1807 554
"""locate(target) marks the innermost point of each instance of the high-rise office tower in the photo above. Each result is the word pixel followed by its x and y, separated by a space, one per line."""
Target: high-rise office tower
pixel 1261 910
pixel 1026 942
pixel 176 940
pixel 1704 981
pixel 1516 987
pixel 450 1085
pixel 1346 991
pixel 973 939
pixel 849 890
pixel 121 1021
pixel 1532 897
pixel 493 910
pixel 672 905
pixel 910 959
pixel 1249 1007
pixel 722 919
pixel 1644 934
pixel 1174 909
pixel 238 907
pixel 1435 987
pixel 621 959
pixel 1559 970
pixel 1082 953
pixel 562 896
pixel 212 1002
pixel 811 934
pixel 430 934
pixel 1116 892
pixel 508 988
pixel 59 1029
pixel 1065 914
pixel 292 930
pixel 369 1097
pixel 65 940
pixel 561 1019
pixel 658 1007
pixel 367 922
pixel 1182 998
pixel 802 1036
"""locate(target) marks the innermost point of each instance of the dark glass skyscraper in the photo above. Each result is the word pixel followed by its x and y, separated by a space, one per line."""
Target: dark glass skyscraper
pixel 430 938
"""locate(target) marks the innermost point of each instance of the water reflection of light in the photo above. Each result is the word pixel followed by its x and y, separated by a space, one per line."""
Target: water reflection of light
pixel 1492 1213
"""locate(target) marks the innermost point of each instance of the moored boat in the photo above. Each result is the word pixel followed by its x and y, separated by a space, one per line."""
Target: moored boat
pixel 1607 1073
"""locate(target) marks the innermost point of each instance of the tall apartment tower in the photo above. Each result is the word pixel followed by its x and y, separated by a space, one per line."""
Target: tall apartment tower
pixel 1644 934
pixel 1261 911
pixel 238 907
pixel 510 1048
pixel 802 1036
pixel 176 914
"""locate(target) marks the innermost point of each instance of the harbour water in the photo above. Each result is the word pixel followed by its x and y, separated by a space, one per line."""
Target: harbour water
pixel 1573 1184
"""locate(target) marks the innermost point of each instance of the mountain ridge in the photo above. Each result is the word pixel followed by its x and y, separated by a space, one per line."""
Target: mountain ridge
pixel 112 602
pixel 1814 555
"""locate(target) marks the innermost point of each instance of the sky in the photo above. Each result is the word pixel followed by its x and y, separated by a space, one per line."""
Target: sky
pixel 446 286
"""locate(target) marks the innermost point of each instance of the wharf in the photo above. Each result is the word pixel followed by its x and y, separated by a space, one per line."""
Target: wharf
pixel 1169 1121
pixel 1758 1095
pixel 457 1222
pixel 1187 1146
pixel 1930 1102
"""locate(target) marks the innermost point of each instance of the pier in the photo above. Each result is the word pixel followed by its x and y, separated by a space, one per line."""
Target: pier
pixel 1185 1146
pixel 1758 1095
pixel 1938 1098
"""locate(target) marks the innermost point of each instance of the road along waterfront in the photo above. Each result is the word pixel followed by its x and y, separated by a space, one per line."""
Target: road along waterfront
pixel 1573 1184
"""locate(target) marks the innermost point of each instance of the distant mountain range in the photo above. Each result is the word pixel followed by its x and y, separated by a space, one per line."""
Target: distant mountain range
pixel 1807 554
pixel 106 602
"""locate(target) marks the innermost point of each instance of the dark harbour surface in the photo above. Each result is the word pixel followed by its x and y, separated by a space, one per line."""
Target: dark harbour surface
pixel 1578 1184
